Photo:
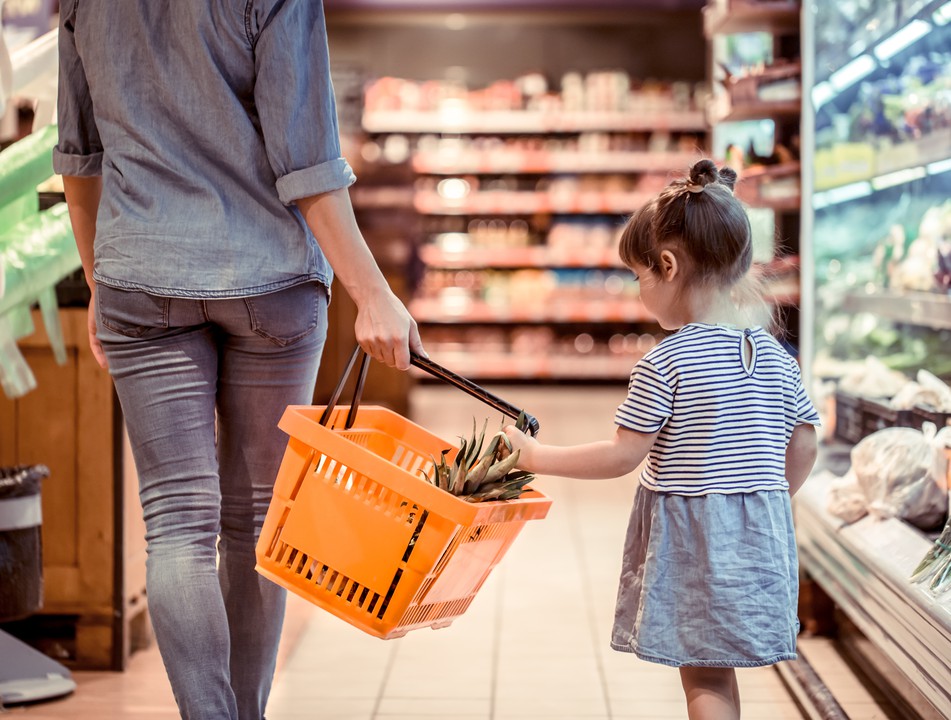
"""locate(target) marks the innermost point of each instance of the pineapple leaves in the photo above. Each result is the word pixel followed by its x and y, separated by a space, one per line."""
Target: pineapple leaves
pixel 476 474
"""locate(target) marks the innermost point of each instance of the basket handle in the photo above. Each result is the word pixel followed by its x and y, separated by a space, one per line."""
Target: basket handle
pixel 480 393
pixel 433 369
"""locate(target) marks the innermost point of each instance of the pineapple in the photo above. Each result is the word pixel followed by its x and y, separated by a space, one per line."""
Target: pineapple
pixel 476 475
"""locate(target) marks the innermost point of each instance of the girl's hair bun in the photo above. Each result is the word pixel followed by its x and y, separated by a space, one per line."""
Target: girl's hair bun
pixel 728 177
pixel 704 173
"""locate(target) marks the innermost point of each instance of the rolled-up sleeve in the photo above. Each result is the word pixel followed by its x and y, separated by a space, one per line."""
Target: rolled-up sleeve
pixel 295 102
pixel 79 149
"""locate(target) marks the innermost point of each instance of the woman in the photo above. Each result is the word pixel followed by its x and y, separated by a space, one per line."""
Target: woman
pixel 201 162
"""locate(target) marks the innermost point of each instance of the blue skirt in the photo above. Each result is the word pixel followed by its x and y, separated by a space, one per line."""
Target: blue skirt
pixel 709 581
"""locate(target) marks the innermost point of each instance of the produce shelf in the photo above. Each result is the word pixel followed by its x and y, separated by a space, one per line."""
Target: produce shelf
pixel 726 18
pixel 915 308
pixel 463 121
pixel 842 165
pixel 864 567
pixel 474 162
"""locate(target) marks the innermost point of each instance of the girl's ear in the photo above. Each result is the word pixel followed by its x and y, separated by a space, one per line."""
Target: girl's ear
pixel 668 267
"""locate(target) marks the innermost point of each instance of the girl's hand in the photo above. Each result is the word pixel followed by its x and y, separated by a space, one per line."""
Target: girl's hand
pixel 522 442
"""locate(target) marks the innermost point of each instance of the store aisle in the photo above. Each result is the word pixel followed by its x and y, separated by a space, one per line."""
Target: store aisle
pixel 532 645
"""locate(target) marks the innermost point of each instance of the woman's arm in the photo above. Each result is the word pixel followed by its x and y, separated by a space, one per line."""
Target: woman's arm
pixel 384 328
pixel 800 456
pixel 592 461
pixel 82 199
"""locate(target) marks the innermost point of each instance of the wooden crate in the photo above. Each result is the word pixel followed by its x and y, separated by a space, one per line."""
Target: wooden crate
pixel 94 608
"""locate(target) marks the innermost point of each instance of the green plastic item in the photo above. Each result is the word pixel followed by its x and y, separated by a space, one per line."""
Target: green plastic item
pixel 25 164
pixel 35 254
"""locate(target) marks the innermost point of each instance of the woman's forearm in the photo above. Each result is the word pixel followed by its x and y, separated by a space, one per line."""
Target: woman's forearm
pixel 82 198
pixel 384 328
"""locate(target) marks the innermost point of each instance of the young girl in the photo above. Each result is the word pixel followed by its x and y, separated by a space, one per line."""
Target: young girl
pixel 709 577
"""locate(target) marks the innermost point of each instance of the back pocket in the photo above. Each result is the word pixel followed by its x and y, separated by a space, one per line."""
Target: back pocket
pixel 286 316
pixel 131 312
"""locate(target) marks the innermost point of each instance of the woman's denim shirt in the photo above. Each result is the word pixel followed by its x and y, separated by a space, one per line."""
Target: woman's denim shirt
pixel 207 120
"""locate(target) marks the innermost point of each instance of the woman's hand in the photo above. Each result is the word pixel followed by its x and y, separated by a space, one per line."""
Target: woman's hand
pixel 94 344
pixel 386 331
pixel 383 327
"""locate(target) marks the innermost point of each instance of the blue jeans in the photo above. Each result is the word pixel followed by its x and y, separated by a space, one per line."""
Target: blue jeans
pixel 202 384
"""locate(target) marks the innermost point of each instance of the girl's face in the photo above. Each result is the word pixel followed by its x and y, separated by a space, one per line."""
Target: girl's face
pixel 661 297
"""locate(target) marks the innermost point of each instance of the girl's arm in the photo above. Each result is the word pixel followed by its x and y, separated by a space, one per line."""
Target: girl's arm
pixel 592 461
pixel 800 456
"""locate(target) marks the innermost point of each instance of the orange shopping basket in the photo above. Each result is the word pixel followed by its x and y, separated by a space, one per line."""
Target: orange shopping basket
pixel 354 528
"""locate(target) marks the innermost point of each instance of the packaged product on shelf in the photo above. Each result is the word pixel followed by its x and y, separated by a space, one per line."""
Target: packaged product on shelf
pixel 902 473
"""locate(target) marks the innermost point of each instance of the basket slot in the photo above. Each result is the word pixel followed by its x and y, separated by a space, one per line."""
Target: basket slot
pixel 327 579
pixel 410 461
pixel 291 558
pixel 277 533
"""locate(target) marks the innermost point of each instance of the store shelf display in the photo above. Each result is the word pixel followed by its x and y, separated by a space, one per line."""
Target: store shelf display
pixel 521 190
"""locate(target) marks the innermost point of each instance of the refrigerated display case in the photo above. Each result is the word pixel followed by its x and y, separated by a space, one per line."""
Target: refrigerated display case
pixel 876 230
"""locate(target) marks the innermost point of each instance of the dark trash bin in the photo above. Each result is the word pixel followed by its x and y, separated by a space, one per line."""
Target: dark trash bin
pixel 21 556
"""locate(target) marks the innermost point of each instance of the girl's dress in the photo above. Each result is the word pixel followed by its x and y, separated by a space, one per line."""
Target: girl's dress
pixel 709 574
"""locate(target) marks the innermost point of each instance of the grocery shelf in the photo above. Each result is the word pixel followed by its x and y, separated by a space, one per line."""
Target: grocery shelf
pixel 530 202
pixel 539 256
pixel 542 162
pixel 557 310
pixel 915 308
pixel 723 110
pixel 758 186
pixel 464 121
pixel 864 567
pixel 381 197
pixel 724 18
pixel 498 365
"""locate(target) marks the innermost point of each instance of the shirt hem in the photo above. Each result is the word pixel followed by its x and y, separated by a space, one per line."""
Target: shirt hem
pixel 772 487
pixel 191 293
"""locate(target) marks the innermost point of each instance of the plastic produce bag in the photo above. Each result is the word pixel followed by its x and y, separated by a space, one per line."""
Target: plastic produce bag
pixel 846 499
pixel 903 474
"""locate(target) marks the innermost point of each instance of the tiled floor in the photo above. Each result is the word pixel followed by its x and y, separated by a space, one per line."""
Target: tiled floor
pixel 532 645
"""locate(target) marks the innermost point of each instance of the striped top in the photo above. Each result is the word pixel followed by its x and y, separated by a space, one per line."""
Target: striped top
pixel 724 426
